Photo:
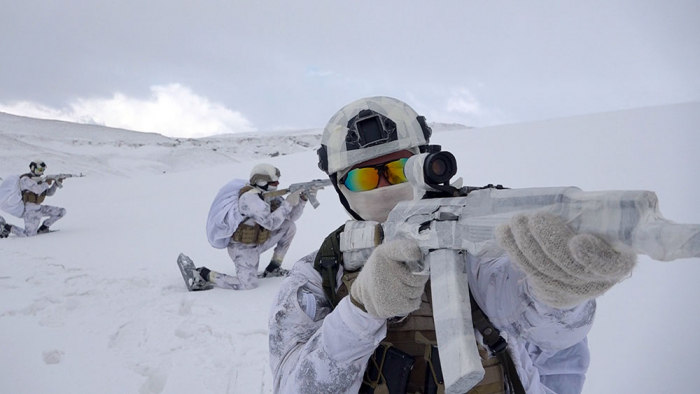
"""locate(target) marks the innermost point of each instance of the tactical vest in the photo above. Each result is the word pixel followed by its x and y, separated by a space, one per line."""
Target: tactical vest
pixel 407 360
pixel 256 234
pixel 29 196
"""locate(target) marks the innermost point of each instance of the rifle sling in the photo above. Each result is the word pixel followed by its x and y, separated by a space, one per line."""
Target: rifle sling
pixel 327 263
pixel 498 345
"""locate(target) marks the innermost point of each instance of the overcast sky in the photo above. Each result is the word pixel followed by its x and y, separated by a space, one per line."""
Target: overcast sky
pixel 194 68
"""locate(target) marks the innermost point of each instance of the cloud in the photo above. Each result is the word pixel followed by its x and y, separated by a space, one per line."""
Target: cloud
pixel 463 101
pixel 172 110
pixel 461 106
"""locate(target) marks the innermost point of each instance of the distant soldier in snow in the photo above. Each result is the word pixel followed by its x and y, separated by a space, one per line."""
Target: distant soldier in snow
pixel 264 224
pixel 34 191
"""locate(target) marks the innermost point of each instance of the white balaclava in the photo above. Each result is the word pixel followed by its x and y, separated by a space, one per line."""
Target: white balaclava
pixel 261 185
pixel 376 204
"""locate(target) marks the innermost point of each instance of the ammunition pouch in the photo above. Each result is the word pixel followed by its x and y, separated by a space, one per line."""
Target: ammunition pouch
pixel 257 234
pixel 388 371
pixel 251 235
pixel 28 196
pixel 34 198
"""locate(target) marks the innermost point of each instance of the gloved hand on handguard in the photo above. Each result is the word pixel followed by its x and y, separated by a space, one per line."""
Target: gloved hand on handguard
pixel 563 268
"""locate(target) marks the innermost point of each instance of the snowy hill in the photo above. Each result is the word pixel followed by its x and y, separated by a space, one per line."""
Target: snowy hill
pixel 99 150
pixel 99 307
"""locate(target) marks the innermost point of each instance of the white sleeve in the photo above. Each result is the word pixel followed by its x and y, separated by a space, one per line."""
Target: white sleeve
pixel 550 343
pixel 252 206
pixel 297 211
pixel 327 355
pixel 52 190
pixel 27 183
pixel 502 291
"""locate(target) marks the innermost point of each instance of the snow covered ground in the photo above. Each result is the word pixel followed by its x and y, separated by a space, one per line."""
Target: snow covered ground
pixel 100 307
pixel 107 151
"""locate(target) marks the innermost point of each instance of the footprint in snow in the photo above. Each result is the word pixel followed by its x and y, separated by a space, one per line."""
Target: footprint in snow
pixel 53 356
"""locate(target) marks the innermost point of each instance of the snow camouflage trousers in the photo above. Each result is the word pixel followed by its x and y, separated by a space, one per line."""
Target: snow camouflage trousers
pixel 32 217
pixel 247 258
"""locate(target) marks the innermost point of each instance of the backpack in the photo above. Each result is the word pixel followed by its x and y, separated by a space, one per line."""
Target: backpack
pixel 11 196
pixel 224 216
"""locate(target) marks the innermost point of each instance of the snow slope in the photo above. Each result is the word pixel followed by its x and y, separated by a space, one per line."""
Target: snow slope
pixel 99 307
pixel 107 151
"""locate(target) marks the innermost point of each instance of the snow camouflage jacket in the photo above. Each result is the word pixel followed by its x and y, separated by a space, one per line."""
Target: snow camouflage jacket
pixel 28 184
pixel 314 350
pixel 229 210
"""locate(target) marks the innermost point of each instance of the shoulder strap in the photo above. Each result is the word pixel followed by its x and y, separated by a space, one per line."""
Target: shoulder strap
pixel 327 263
pixel 498 345
pixel 244 190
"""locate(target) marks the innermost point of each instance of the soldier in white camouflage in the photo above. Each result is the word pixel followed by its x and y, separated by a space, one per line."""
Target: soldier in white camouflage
pixel 34 191
pixel 267 224
pixel 367 327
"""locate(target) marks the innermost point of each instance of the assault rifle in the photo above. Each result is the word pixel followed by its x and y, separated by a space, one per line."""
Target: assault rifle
pixel 305 187
pixel 58 178
pixel 449 221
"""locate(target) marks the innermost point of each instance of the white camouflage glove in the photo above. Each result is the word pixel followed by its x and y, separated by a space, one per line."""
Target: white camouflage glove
pixel 386 287
pixel 293 198
pixel 563 268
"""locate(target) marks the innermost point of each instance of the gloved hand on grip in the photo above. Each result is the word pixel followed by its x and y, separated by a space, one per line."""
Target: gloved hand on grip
pixel 386 287
pixel 310 194
pixel 563 268
pixel 293 198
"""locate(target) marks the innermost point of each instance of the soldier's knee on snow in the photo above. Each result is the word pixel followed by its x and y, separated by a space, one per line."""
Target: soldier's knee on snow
pixel 61 212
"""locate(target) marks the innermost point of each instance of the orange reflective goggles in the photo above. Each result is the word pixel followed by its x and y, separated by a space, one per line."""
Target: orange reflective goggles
pixel 367 178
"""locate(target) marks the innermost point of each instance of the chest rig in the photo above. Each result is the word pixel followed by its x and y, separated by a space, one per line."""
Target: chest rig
pixel 407 360
pixel 29 196
pixel 256 234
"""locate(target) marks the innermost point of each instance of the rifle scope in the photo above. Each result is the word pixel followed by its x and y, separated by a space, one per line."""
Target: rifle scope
pixel 439 168
pixel 430 172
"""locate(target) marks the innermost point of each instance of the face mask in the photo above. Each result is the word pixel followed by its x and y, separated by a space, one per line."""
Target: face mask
pixel 265 186
pixel 376 204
